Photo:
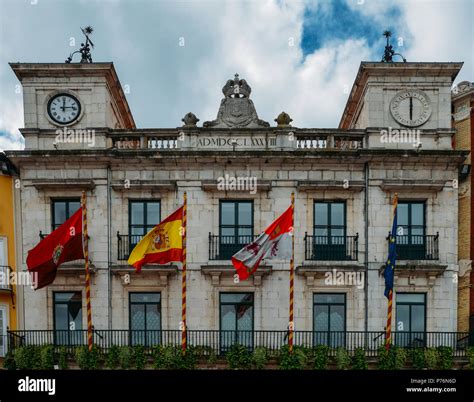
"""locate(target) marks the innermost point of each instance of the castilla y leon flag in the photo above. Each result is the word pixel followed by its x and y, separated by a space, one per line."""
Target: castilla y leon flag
pixel 162 244
pixel 273 243
pixel 62 245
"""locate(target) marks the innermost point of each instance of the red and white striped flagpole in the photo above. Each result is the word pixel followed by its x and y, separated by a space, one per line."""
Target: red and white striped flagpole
pixel 183 282
pixel 388 334
pixel 85 245
pixel 291 325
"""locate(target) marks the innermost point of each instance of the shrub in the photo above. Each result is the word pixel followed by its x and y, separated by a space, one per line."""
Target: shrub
pixel 400 358
pixel 87 360
pixel 139 357
pixel 63 354
pixel 359 361
pixel 238 357
pixel 125 357
pixel 27 357
pixel 343 359
pixel 445 357
pixel 292 361
pixel 172 358
pixel 212 357
pixel 321 357
pixel 470 356
pixel 418 358
pixel 431 358
pixel 9 361
pixel 386 358
pixel 113 357
pixel 260 358
pixel 47 357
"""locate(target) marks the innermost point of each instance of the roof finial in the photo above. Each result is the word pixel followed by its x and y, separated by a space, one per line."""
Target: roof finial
pixel 389 52
pixel 85 49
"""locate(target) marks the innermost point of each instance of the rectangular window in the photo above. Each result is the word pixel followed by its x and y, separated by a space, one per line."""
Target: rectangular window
pixel 329 319
pixel 68 318
pixel 3 330
pixel 62 210
pixel 235 227
pixel 411 319
pixel 145 318
pixel 236 319
pixel 329 231
pixel 411 243
pixel 143 216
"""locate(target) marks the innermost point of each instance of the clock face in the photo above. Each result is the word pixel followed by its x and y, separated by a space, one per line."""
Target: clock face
pixel 64 108
pixel 410 108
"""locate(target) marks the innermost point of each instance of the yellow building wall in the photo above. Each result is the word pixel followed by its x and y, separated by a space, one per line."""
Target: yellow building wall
pixel 7 229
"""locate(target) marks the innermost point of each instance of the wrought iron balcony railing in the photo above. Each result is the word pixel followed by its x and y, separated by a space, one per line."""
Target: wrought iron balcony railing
pixel 224 247
pixel 417 247
pixel 331 248
pixel 221 340
pixel 125 245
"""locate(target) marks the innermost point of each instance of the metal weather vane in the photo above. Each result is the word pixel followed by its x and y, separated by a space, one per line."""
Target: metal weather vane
pixel 389 52
pixel 85 49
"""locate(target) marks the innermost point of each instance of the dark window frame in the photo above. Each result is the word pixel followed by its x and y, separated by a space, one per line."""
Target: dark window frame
pixel 143 303
pixel 409 223
pixel 68 200
pixel 70 333
pixel 330 304
pixel 328 227
pixel 145 223
pixel 236 226
pixel 398 303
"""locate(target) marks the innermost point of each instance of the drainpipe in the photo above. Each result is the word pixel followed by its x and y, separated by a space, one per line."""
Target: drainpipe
pixel 366 235
pixel 109 245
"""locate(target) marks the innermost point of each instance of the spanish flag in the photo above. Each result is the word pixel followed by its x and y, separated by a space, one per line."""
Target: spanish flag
pixel 162 244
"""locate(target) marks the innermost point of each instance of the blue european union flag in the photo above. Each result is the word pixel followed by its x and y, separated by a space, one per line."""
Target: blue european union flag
pixel 392 255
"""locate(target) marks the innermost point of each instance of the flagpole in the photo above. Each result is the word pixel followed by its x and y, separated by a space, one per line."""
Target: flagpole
pixel 85 245
pixel 291 325
pixel 183 282
pixel 388 334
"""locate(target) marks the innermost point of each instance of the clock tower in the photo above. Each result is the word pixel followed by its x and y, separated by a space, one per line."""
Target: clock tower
pixel 401 96
pixel 70 96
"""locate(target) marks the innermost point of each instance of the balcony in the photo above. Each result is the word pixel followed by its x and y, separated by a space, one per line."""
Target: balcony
pixel 417 247
pixel 5 284
pixel 221 340
pixel 331 248
pixel 224 247
pixel 125 245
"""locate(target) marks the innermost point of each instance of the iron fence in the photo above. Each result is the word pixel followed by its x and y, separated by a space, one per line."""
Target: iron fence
pixel 220 341
pixel 417 247
pixel 331 248
pixel 224 247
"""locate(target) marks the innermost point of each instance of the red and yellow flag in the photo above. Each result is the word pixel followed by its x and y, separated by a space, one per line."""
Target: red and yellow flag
pixel 162 244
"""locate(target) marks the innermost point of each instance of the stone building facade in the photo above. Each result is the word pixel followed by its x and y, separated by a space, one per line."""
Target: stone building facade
pixel 395 136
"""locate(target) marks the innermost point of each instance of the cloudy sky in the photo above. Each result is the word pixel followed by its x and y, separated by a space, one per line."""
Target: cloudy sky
pixel 175 56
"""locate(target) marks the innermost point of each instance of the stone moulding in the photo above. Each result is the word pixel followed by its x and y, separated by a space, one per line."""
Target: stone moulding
pixel 165 185
pixel 352 185
pixel 211 185
pixel 61 184
pixel 317 270
pixel 414 185
pixel 163 271
pixel 223 270
pixel 413 269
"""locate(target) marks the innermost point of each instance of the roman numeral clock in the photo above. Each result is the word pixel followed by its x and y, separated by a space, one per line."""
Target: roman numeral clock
pixel 64 108
pixel 411 108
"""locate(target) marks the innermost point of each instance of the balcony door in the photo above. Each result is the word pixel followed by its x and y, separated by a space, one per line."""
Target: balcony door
pixel 145 318
pixel 236 319
pixel 143 215
pixel 68 318
pixel 411 319
pixel 235 227
pixel 329 319
pixel 329 231
pixel 411 229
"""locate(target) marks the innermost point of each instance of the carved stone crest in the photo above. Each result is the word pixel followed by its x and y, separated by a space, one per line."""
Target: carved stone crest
pixel 236 109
